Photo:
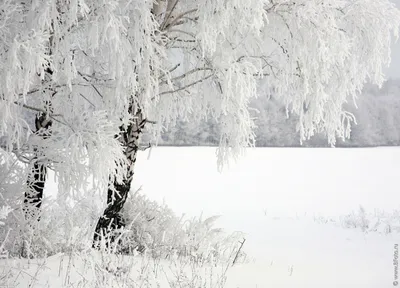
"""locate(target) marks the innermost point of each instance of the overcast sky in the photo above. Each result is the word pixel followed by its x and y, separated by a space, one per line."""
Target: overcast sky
pixel 394 70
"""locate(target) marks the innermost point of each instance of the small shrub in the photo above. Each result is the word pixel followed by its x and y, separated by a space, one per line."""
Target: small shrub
pixel 154 229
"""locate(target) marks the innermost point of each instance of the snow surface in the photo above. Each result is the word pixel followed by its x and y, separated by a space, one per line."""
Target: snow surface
pixel 279 180
pixel 273 195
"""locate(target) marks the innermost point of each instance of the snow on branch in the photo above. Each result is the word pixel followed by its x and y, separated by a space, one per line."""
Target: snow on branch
pixel 182 60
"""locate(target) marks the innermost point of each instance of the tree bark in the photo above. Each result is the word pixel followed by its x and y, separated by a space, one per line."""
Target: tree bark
pixel 37 177
pixel 112 220
pixel 34 192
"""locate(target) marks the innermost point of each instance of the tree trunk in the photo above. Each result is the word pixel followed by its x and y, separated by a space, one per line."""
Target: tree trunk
pixel 38 173
pixel 111 220
pixel 34 192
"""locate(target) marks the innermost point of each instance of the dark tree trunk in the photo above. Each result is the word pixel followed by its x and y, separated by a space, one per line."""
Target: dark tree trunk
pixel 37 177
pixel 112 220
pixel 34 192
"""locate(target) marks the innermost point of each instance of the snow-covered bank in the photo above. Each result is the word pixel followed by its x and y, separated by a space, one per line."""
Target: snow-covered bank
pixel 313 256
pixel 273 195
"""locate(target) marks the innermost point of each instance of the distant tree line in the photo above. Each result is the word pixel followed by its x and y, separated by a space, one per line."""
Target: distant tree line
pixel 377 116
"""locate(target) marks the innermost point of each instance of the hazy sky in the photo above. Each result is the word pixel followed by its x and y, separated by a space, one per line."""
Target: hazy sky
pixel 394 70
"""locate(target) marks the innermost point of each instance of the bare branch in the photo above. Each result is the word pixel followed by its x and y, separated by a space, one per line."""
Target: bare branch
pixel 171 70
pixel 169 11
pixel 90 102
pixel 187 86
pixel 240 248
pixel 144 148
pixel 183 40
pixel 91 84
pixel 30 107
pixel 183 32
pixel 150 121
pixel 189 73
pixel 180 16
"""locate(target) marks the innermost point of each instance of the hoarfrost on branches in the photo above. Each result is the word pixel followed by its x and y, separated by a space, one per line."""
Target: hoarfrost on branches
pixel 179 59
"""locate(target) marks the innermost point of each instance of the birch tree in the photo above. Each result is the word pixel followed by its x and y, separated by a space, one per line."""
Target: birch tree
pixel 121 66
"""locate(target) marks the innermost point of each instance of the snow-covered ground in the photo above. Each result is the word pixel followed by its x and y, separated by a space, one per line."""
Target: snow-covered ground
pixel 274 195
pixel 278 180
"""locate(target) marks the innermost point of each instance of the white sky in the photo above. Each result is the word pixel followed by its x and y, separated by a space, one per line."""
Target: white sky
pixel 394 70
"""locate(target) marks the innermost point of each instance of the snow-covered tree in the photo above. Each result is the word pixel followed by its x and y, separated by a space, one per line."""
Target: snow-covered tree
pixel 99 70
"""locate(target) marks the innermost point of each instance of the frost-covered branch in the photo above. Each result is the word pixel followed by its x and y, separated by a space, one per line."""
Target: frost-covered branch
pixel 179 17
pixel 187 86
pixel 189 73
pixel 171 5
pixel 110 58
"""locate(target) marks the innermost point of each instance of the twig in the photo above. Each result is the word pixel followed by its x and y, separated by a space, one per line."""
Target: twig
pixel 30 107
pixel 179 17
pixel 165 22
pixel 188 73
pixel 52 116
pixel 150 121
pixel 174 68
pixel 187 86
pixel 240 248
pixel 183 32
pixel 191 72
pixel 144 148
pixel 170 70
pixel 91 84
pixel 83 96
